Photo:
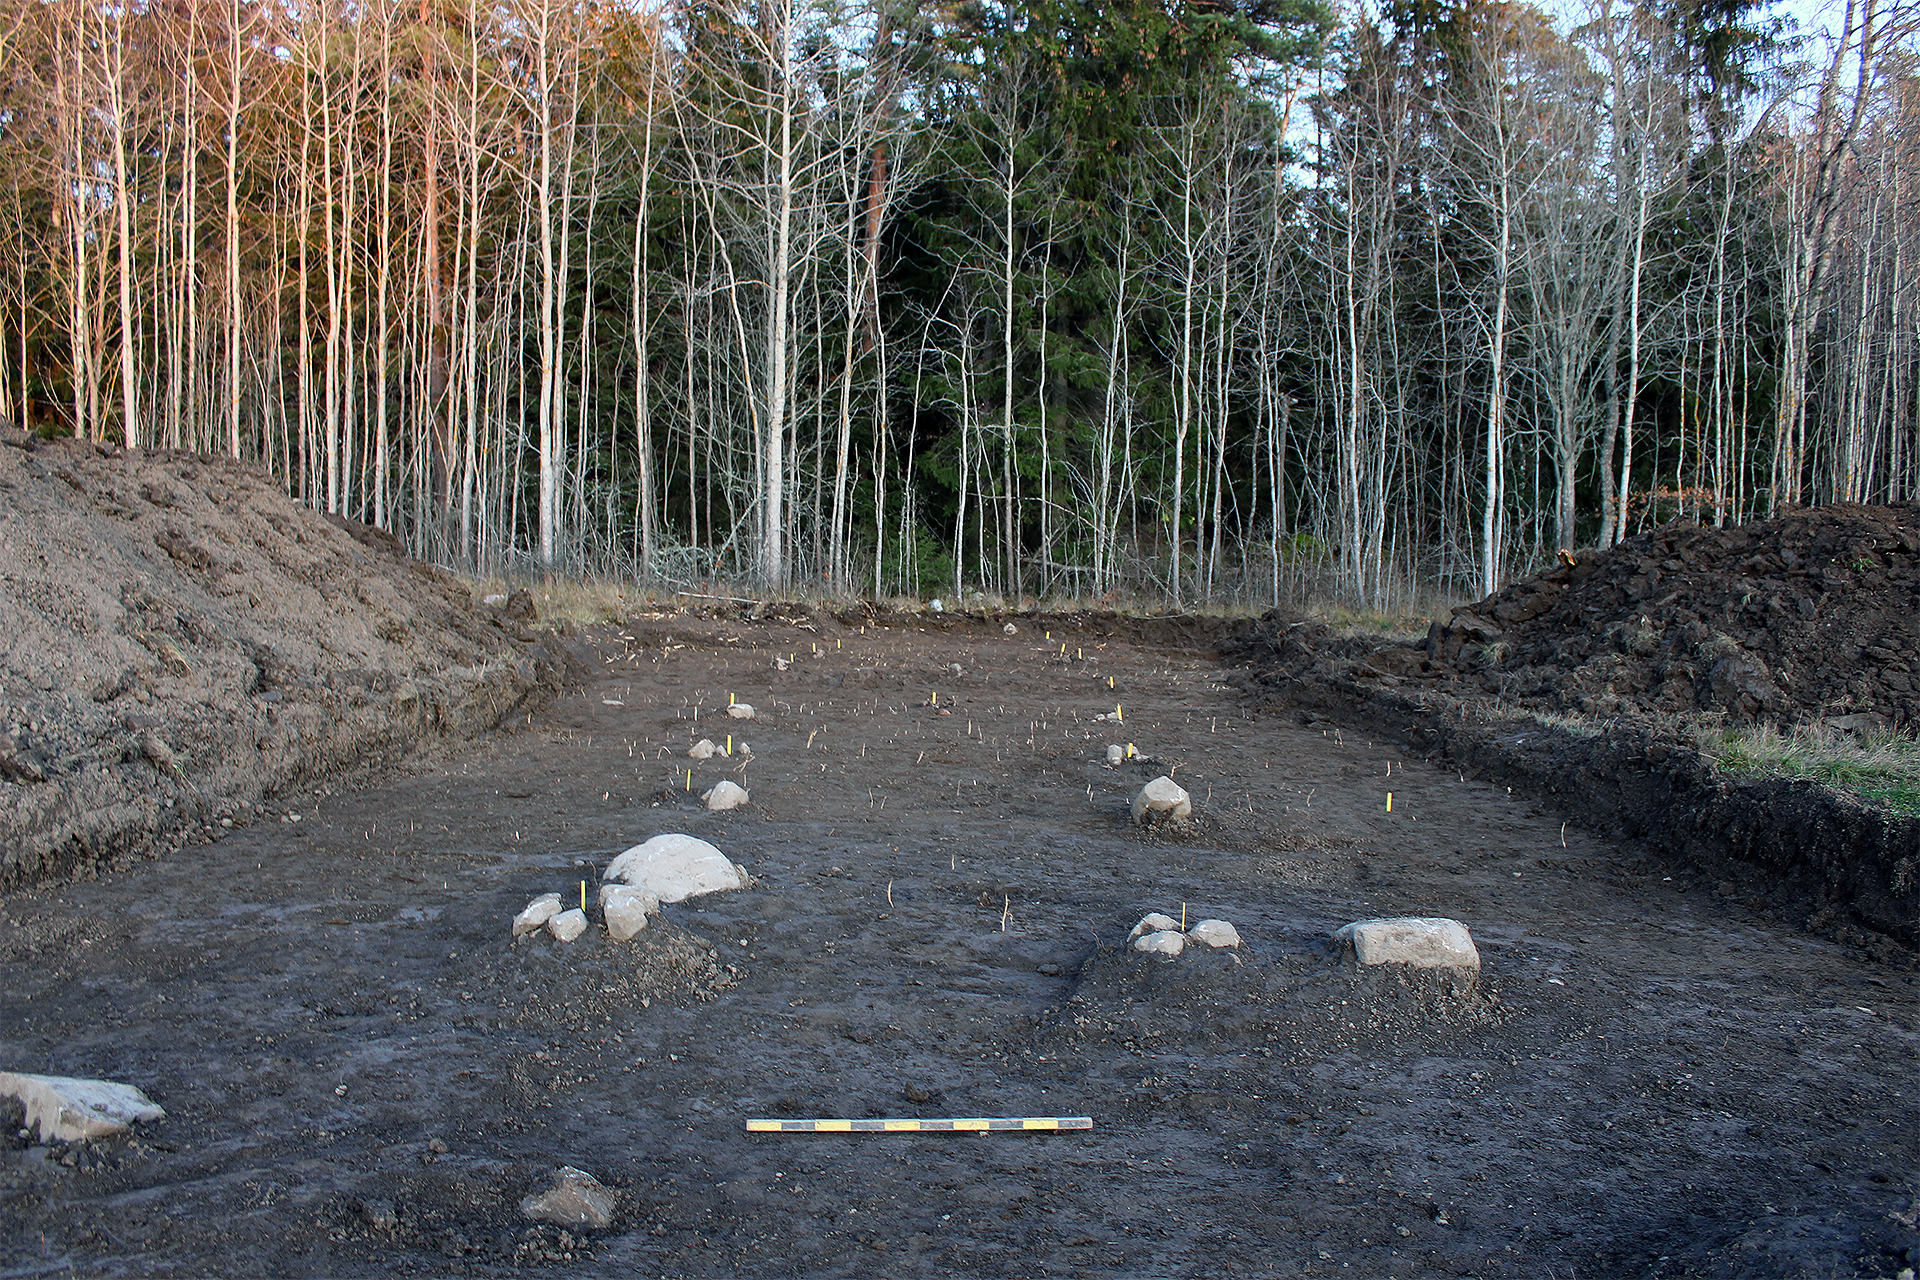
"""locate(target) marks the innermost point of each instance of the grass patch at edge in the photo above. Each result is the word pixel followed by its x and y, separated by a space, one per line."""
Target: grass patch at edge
pixel 1882 766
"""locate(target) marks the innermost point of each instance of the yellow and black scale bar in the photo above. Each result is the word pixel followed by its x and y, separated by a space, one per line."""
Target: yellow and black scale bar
pixel 964 1124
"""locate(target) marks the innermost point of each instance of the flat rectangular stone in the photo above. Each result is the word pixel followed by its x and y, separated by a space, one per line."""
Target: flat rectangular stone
pixel 64 1109
pixel 1424 942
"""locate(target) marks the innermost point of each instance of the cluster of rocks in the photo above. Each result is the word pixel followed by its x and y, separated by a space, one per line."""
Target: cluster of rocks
pixel 1158 934
pixel 1419 942
pixel 724 794
pixel 668 868
pixel 545 912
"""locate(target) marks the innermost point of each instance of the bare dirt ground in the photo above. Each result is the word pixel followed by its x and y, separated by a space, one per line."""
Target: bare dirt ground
pixel 363 1075
pixel 1690 1052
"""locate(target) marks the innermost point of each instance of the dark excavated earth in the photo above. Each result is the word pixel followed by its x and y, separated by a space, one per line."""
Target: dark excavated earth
pixel 1662 1071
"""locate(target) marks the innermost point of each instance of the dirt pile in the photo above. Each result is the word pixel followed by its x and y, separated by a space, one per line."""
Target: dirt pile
pixel 181 640
pixel 1811 616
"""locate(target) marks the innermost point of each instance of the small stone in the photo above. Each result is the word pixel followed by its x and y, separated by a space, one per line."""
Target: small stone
pixel 379 1215
pixel 702 750
pixel 1166 942
pixel 675 867
pixel 626 910
pixel 1153 922
pixel 1160 800
pixel 1424 942
pixel 1010 629
pixel 157 752
pixel 576 1199
pixel 1115 754
pixel 495 600
pixel 568 925
pixel 537 913
pixel 438 1146
pixel 741 711
pixel 742 750
pixel 936 605
pixel 1215 933
pixel 725 795
pixel 65 1109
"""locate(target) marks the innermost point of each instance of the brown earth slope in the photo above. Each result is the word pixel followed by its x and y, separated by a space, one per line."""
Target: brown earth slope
pixel 178 639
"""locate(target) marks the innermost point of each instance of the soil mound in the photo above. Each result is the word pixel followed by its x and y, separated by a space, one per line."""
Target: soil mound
pixel 1811 616
pixel 182 639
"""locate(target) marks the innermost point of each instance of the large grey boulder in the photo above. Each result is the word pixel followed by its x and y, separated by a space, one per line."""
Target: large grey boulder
pixel 576 1199
pixel 676 867
pixel 65 1109
pixel 1161 800
pixel 1423 942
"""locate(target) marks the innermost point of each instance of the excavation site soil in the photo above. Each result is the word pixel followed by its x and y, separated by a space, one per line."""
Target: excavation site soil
pixel 1662 1070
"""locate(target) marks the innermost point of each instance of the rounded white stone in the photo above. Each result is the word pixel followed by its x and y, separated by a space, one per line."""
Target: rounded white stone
pixel 1215 933
pixel 536 913
pixel 1115 754
pixel 1162 798
pixel 726 795
pixel 1153 922
pixel 626 909
pixel 702 750
pixel 1167 942
pixel 568 925
pixel 674 867
pixel 741 711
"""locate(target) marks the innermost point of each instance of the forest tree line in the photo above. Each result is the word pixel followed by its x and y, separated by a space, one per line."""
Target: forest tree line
pixel 1206 300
